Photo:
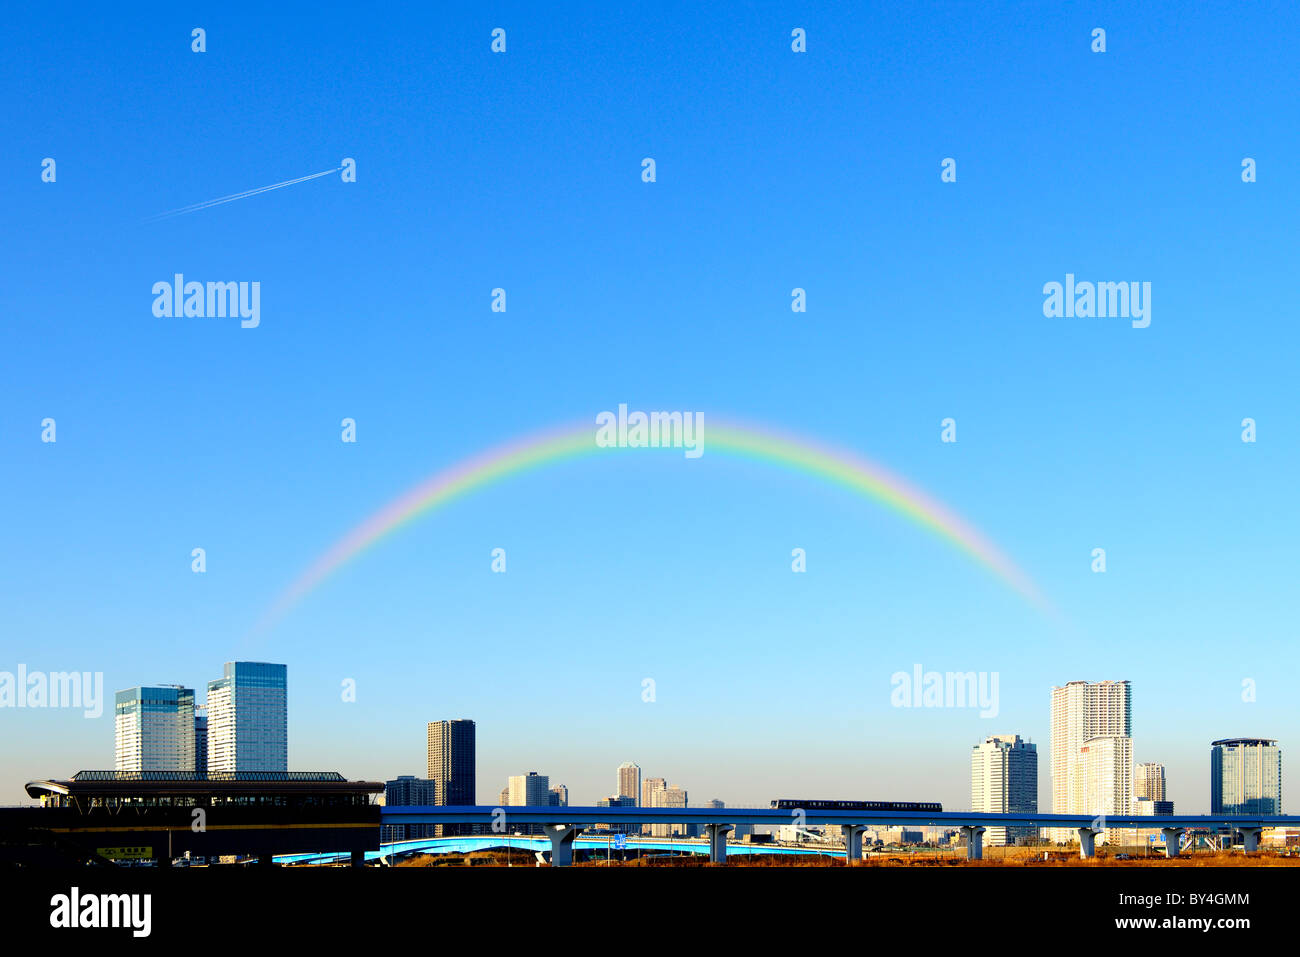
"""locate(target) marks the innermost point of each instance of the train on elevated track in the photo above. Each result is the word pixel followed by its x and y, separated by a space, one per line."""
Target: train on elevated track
pixel 790 804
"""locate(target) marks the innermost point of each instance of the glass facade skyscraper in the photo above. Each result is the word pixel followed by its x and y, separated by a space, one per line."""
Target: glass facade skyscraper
pixel 1245 776
pixel 154 729
pixel 248 718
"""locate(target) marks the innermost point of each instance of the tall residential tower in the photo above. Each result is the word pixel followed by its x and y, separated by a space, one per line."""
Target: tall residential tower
pixel 1004 779
pixel 452 766
pixel 1149 781
pixel 629 781
pixel 1082 713
pixel 248 718
pixel 154 729
pixel 1107 777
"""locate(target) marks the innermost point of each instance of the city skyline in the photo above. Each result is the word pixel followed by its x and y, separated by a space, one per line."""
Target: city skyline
pixel 1092 745
pixel 1091 769
pixel 1001 767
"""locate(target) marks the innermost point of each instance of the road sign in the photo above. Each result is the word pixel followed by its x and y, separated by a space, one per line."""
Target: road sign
pixel 620 841
pixel 125 853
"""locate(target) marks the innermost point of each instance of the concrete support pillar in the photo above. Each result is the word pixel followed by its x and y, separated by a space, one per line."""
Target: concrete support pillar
pixel 717 834
pixel 1250 838
pixel 358 858
pixel 1087 842
pixel 1172 836
pixel 561 836
pixel 852 841
pixel 974 842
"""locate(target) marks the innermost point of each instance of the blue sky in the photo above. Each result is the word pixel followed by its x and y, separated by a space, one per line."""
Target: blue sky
pixel 774 170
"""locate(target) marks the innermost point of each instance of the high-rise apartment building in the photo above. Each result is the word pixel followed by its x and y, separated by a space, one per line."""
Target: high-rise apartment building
pixel 1082 711
pixel 649 786
pixel 406 790
pixel 154 729
pixel 452 766
pixel 248 718
pixel 559 796
pixel 530 789
pixel 1004 779
pixel 1107 778
pixel 1245 776
pixel 1149 781
pixel 629 781
pixel 668 797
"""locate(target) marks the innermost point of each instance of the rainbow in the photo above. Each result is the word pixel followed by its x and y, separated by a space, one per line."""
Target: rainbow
pixel 798 454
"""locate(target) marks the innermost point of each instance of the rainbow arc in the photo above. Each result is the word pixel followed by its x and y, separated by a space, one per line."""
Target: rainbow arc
pixel 794 453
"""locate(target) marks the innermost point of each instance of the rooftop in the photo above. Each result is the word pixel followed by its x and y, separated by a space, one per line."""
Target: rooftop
pixel 208 776
pixel 1266 741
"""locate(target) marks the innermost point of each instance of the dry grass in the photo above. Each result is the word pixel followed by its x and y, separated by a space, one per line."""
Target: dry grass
pixel 493 858
pixel 1106 857
pixel 994 857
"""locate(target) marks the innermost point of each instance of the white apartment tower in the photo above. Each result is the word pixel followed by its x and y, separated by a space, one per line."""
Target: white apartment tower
pixel 1004 778
pixel 530 789
pixel 248 718
pixel 1149 781
pixel 649 788
pixel 1107 777
pixel 668 797
pixel 154 729
pixel 1083 711
pixel 629 781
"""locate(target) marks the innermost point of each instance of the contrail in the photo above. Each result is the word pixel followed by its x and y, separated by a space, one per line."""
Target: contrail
pixel 234 196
